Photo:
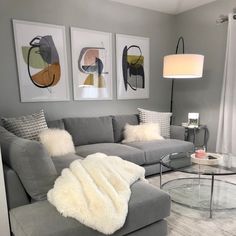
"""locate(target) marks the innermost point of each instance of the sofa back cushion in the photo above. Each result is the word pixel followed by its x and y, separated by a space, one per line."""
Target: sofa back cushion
pixel 30 161
pixel 90 130
pixel 56 124
pixel 119 123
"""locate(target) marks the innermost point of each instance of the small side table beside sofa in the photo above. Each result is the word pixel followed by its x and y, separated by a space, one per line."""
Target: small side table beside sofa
pixel 192 132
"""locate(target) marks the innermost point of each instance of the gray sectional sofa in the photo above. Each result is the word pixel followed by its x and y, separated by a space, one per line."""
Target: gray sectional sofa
pixel 104 134
pixel 30 172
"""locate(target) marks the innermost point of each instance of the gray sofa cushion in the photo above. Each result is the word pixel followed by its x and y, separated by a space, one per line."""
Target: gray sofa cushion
pixel 119 123
pixel 56 124
pixel 64 161
pixel 147 205
pixel 16 195
pixel 30 161
pixel 6 140
pixel 154 169
pixel 177 132
pixel 125 152
pixel 154 150
pixel 89 130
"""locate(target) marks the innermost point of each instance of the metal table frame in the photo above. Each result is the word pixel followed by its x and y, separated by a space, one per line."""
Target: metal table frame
pixel 212 188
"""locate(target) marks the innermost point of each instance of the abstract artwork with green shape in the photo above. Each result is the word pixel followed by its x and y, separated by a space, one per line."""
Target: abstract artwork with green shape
pixel 36 61
pixel 134 59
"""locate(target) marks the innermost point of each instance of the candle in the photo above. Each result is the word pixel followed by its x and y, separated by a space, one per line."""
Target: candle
pixel 200 153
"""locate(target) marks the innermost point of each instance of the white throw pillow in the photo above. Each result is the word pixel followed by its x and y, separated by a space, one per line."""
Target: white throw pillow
pixel 57 142
pixel 163 118
pixel 142 132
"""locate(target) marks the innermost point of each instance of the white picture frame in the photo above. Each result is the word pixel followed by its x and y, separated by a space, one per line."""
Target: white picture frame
pixel 133 66
pixel 193 119
pixel 42 66
pixel 92 64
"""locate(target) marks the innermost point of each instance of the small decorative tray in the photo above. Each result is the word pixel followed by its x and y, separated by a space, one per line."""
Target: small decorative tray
pixel 210 159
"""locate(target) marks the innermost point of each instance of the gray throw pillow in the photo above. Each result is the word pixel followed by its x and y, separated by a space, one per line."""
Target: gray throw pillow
pixel 30 161
pixel 27 127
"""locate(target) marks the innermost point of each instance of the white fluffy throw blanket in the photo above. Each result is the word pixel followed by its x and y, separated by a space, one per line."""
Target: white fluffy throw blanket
pixel 96 191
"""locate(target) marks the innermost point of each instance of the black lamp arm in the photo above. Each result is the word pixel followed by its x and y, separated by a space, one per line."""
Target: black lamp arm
pixel 181 39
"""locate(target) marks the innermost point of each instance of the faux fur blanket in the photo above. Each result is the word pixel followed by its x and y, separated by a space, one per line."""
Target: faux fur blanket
pixel 96 191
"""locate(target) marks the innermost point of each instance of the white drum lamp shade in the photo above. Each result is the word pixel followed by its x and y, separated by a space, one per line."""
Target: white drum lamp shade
pixel 183 66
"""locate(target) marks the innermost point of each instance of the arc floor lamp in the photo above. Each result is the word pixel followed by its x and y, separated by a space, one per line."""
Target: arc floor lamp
pixel 182 66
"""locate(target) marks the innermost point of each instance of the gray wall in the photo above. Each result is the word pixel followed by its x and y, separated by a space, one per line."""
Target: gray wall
pixel 202 35
pixel 92 14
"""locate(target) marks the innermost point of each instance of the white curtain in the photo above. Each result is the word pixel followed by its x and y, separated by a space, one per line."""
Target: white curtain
pixel 226 138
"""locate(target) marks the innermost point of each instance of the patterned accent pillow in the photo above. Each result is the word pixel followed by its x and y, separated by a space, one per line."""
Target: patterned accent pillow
pixel 27 127
pixel 163 118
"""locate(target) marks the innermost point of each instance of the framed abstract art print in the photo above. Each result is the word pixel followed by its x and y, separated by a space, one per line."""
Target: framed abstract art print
pixel 41 61
pixel 132 55
pixel 92 64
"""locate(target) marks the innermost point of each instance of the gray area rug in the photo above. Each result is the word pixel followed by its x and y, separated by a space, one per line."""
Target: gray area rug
pixel 185 221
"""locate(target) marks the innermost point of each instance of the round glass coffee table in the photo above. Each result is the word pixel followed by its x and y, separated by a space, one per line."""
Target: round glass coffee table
pixel 200 192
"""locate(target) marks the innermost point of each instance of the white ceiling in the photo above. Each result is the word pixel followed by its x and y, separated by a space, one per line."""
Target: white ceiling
pixel 166 6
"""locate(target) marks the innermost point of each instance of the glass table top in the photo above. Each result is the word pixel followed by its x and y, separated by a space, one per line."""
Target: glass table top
pixel 196 193
pixel 183 162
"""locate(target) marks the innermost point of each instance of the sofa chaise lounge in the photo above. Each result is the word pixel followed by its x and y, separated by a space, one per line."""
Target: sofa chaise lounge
pixel 30 172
